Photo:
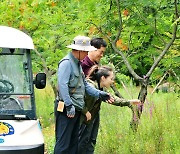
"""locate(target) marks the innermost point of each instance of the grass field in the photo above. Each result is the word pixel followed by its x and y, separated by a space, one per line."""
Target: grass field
pixel 158 131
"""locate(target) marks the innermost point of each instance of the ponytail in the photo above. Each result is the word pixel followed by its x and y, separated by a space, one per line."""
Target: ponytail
pixel 93 72
pixel 96 72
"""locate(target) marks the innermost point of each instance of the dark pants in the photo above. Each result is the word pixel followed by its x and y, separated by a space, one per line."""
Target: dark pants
pixel 66 131
pixel 87 136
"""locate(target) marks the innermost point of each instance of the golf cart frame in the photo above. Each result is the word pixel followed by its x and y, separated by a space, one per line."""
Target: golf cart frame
pixel 20 130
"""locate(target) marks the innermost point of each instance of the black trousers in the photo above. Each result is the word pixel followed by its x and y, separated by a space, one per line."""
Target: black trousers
pixel 87 136
pixel 66 132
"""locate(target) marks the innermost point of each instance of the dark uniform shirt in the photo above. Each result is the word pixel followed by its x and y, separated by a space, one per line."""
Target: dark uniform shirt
pixel 86 64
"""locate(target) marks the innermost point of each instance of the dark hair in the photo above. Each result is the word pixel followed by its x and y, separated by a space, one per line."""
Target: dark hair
pixel 98 43
pixel 96 72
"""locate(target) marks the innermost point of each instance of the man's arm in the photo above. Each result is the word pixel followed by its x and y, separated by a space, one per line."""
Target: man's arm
pixel 91 90
pixel 64 72
pixel 104 96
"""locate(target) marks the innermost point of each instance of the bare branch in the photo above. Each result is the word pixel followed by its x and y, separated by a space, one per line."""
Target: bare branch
pixel 160 81
pixel 132 53
pixel 126 62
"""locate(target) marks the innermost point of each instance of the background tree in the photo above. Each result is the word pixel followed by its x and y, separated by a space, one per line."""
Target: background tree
pixel 151 35
pixel 51 24
pixel 139 34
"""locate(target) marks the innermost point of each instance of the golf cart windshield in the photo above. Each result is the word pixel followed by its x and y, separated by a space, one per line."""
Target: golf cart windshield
pixel 15 82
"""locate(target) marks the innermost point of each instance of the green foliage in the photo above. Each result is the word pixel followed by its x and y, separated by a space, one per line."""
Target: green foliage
pixel 53 24
pixel 146 26
pixel 122 77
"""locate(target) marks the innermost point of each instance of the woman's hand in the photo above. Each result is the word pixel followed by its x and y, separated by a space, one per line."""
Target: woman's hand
pixel 88 116
pixel 110 100
pixel 135 102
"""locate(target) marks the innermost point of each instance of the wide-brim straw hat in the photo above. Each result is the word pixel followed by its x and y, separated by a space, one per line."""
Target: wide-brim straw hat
pixel 81 43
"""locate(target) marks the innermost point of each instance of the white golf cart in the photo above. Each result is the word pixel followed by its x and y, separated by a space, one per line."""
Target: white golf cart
pixel 20 131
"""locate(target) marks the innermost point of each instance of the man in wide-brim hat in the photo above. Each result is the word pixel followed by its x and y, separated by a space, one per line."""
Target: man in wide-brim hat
pixel 71 90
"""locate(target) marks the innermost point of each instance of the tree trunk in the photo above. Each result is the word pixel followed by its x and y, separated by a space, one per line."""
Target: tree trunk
pixel 137 110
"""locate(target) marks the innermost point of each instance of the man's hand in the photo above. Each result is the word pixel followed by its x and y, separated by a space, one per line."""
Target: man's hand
pixel 70 111
pixel 88 116
pixel 104 96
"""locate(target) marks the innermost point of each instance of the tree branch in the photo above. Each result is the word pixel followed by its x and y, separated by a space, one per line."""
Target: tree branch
pixel 126 62
pixel 49 73
pixel 176 9
pixel 120 21
pixel 110 6
pixel 168 45
pixel 132 53
pixel 160 81
pixel 113 43
pixel 154 27
pixel 117 93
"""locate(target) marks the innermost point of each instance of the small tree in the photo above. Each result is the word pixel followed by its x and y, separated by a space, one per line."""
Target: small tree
pixel 150 19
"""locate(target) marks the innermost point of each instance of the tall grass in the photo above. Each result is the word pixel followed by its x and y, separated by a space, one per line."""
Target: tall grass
pixel 45 105
pixel 158 131
pixel 45 112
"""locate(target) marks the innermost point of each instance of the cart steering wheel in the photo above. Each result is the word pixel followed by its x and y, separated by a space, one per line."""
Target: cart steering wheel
pixel 6 87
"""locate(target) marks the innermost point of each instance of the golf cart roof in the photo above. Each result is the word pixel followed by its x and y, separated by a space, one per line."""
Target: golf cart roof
pixel 13 38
